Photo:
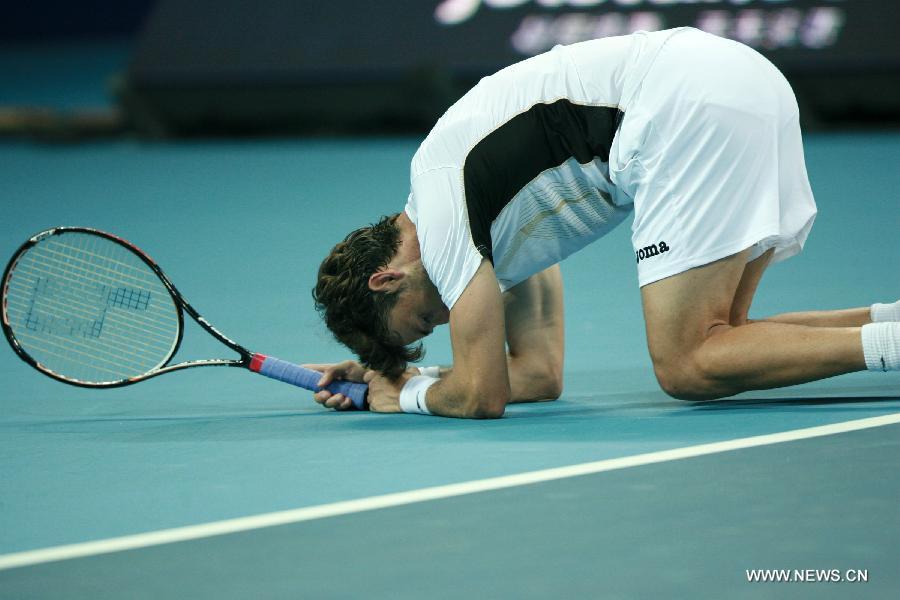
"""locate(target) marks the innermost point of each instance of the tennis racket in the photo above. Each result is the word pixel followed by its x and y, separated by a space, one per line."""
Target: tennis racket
pixel 91 309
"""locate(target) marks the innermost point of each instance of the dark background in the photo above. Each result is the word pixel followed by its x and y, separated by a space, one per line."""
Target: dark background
pixel 281 66
pixel 53 19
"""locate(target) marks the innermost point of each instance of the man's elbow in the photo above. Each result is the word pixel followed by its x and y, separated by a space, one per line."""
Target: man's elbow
pixel 488 403
pixel 489 411
pixel 549 385
pixel 554 389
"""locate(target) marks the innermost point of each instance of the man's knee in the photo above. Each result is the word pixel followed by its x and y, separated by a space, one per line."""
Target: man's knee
pixel 684 378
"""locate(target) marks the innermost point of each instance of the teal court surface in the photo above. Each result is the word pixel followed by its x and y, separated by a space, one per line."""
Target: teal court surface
pixel 216 483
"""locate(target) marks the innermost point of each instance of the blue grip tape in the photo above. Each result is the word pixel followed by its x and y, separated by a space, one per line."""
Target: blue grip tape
pixel 288 372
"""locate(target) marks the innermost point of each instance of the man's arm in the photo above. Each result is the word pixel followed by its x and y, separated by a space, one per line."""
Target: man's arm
pixel 535 336
pixel 478 384
pixel 533 312
pixel 533 318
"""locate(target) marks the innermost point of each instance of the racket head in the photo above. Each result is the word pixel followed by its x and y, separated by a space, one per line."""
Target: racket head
pixel 88 308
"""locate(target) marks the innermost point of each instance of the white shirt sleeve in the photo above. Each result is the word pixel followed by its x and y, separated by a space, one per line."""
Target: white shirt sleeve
pixel 437 208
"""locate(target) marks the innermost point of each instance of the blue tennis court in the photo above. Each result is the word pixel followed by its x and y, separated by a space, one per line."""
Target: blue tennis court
pixel 214 483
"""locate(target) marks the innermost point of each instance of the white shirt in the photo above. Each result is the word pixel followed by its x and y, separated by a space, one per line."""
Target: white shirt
pixel 517 170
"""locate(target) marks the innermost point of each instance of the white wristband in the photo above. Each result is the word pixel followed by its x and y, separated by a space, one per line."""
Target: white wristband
pixel 430 371
pixel 412 396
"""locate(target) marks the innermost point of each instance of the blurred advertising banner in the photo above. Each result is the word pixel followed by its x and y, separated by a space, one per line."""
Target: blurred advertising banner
pixel 292 65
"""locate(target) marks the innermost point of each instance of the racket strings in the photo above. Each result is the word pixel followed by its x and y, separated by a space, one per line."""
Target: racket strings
pixel 79 288
pixel 80 296
pixel 45 324
pixel 88 308
pixel 87 354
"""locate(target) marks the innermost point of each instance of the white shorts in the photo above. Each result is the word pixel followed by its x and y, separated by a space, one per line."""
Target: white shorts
pixel 711 155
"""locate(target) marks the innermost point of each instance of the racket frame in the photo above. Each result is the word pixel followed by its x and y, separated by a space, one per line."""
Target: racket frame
pixel 181 306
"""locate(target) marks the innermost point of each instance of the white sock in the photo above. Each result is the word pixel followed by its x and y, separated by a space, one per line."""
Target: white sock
pixel 885 312
pixel 881 346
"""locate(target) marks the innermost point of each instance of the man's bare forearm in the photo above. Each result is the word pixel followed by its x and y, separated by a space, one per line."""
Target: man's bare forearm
pixel 448 398
pixel 527 383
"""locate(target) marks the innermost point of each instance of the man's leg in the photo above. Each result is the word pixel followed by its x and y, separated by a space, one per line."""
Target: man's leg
pixel 851 317
pixel 703 347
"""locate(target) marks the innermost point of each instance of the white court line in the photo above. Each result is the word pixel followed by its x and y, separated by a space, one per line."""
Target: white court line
pixel 194 532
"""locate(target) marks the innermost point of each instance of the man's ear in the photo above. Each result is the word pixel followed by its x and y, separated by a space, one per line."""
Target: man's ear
pixel 386 280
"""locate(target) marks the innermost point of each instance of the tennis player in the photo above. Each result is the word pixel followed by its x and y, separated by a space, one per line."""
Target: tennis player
pixel 697 135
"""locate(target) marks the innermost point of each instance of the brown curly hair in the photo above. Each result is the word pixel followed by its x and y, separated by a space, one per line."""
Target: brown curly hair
pixel 356 315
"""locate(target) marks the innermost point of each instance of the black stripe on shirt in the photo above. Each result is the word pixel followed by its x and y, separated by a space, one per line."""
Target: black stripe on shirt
pixel 543 137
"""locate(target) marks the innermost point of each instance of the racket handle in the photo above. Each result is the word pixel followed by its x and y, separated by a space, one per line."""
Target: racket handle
pixel 306 378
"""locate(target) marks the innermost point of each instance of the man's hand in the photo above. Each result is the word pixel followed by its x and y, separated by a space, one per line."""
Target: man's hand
pixel 384 393
pixel 346 371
